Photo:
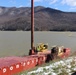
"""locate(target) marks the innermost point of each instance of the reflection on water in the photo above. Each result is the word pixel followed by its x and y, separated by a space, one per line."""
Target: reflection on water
pixel 18 42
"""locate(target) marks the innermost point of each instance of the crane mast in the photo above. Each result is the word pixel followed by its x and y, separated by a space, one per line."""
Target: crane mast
pixel 32 24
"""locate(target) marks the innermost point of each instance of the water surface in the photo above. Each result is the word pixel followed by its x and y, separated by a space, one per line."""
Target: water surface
pixel 19 42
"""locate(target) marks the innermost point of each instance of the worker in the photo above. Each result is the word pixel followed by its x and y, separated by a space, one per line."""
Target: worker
pixel 54 52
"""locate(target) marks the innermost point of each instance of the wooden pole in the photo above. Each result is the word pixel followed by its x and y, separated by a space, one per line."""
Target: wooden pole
pixel 32 24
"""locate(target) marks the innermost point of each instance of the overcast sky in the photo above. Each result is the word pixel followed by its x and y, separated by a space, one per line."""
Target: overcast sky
pixel 64 5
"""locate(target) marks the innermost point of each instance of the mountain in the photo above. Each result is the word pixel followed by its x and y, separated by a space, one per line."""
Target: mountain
pixel 46 19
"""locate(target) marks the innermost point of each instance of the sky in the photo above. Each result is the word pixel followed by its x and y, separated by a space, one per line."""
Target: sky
pixel 63 5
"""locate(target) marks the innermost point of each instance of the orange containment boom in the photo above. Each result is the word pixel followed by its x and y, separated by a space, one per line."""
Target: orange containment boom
pixel 14 65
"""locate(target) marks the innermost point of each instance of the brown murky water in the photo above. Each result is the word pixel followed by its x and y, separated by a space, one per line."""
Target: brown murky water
pixel 18 42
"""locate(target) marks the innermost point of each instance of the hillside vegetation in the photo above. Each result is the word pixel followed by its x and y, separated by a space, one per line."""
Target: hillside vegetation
pixel 46 19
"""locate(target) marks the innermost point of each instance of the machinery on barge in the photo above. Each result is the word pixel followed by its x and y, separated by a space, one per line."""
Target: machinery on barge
pixel 37 55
